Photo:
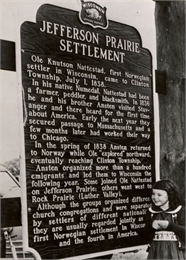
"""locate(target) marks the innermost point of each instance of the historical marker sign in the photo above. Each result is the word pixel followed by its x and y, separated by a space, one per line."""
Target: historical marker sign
pixel 89 134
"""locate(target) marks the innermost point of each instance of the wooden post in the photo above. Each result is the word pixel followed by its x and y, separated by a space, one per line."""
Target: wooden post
pixel 170 31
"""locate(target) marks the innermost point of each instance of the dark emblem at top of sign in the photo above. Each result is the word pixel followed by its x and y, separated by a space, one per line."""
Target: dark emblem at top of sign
pixel 93 14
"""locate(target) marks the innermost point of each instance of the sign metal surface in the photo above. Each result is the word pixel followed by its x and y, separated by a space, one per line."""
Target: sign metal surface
pixel 89 134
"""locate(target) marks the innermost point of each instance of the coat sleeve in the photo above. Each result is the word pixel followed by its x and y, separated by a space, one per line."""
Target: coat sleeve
pixel 179 226
pixel 149 230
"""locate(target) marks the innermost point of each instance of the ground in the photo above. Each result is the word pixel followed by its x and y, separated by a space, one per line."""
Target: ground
pixel 140 255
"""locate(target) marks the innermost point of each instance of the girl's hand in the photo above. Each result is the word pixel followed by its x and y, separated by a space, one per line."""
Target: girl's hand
pixel 163 224
pixel 155 224
pixel 160 224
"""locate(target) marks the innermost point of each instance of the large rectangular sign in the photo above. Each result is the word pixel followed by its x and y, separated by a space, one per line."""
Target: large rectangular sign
pixel 89 132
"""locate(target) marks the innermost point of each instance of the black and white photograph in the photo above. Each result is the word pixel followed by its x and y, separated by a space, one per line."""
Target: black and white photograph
pixel 92 129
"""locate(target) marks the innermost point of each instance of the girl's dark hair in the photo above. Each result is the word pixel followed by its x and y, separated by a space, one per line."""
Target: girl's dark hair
pixel 172 191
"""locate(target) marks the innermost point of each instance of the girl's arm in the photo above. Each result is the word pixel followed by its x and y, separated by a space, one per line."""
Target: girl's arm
pixel 179 226
pixel 149 230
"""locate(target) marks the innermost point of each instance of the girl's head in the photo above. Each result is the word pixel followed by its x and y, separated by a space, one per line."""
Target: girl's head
pixel 167 192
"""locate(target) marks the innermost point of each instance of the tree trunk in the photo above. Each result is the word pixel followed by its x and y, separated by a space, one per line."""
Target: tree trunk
pixel 170 31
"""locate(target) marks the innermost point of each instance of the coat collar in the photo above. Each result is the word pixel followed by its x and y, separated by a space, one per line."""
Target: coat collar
pixel 167 211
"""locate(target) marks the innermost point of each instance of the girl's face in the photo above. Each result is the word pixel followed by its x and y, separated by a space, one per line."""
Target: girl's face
pixel 160 198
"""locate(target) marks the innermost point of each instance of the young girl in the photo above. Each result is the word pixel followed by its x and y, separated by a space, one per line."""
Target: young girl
pixel 165 224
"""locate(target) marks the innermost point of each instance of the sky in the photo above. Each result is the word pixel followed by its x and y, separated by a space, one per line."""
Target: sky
pixel 136 13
